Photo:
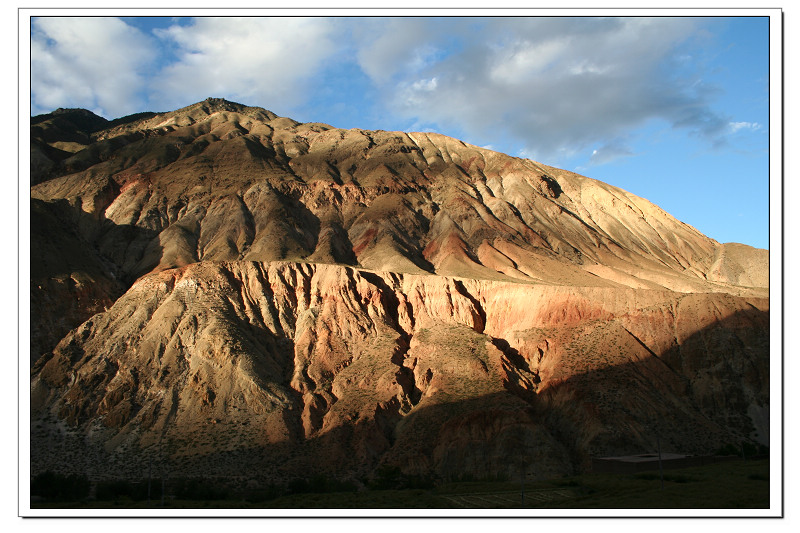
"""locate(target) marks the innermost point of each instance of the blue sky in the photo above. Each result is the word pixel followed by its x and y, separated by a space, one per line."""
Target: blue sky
pixel 672 109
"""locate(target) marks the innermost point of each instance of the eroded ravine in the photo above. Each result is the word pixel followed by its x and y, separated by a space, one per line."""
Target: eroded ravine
pixel 337 346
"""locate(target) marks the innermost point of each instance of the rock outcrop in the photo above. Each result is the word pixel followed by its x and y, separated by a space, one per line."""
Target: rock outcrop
pixel 222 290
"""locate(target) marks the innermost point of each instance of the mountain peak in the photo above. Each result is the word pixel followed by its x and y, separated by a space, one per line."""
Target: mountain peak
pixel 79 118
pixel 213 105
pixel 220 104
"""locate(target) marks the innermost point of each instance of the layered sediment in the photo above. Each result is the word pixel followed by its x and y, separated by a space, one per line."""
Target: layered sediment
pixel 228 292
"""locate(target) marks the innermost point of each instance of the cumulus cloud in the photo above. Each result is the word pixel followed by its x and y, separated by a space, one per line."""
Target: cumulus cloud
pixel 258 61
pixel 558 85
pixel 96 63
pixel 548 88
pixel 386 47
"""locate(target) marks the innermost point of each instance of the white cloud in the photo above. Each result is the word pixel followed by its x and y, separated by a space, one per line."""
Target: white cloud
pixel 96 63
pixel 414 94
pixel 586 67
pixel 425 85
pixel 556 85
pixel 257 61
pixel 736 126
pixel 388 46
pixel 526 60
pixel 551 88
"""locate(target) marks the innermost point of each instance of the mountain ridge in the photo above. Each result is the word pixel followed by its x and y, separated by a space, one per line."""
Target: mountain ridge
pixel 218 282
pixel 209 108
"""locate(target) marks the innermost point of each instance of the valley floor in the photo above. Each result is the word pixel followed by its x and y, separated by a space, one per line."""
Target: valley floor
pixel 727 485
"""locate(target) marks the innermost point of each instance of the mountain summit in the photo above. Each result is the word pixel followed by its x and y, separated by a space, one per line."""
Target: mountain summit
pixel 224 290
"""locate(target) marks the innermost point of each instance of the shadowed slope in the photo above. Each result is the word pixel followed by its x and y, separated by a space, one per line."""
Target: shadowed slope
pixel 415 370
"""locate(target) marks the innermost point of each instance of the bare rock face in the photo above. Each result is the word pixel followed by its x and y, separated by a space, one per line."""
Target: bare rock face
pixel 739 264
pixel 227 291
pixel 407 369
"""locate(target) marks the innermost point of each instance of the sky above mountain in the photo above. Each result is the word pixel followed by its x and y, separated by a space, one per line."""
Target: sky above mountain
pixel 673 109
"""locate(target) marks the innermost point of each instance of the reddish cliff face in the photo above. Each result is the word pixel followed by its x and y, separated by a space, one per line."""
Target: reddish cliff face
pixel 255 297
pixel 214 359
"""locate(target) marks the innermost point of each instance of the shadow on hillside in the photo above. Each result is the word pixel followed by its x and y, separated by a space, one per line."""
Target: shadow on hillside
pixel 691 400
pixel 71 278
pixel 72 125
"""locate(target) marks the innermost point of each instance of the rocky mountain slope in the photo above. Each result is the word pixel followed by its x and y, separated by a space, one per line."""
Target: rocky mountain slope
pixel 228 292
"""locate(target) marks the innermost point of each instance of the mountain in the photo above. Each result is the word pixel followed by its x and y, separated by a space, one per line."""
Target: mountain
pixel 221 291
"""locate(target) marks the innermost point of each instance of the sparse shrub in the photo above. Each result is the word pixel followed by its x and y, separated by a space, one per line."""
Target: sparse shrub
pixel 199 489
pixel 123 489
pixel 727 449
pixel 320 484
pixel 389 477
pixel 675 478
pixel 60 487
pixel 465 477
pixel 418 481
pixel 386 477
pixel 336 485
pixel 263 494
pixel 298 486
pixel 748 448
pixel 114 490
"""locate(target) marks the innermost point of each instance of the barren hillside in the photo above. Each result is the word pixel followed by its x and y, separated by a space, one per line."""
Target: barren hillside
pixel 229 292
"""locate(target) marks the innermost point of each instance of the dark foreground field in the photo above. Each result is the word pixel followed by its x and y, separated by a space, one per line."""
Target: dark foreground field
pixel 729 485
